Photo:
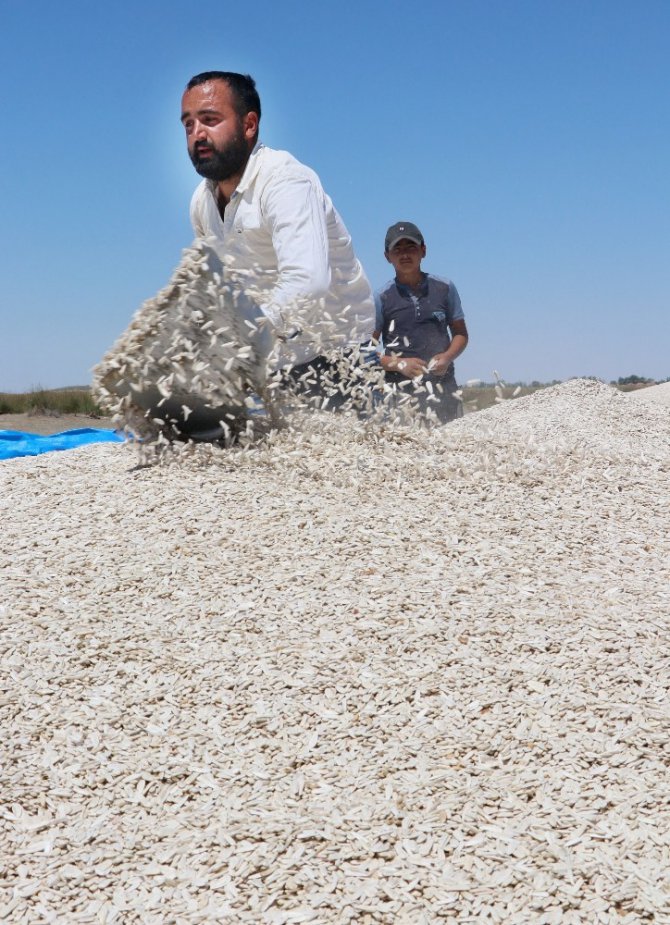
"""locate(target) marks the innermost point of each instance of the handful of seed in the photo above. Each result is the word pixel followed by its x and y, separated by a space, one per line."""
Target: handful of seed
pixel 193 362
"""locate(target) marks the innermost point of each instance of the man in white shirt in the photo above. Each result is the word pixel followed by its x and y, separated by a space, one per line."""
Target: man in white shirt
pixel 276 230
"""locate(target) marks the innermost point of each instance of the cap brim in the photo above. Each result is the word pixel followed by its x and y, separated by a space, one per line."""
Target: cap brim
pixel 403 237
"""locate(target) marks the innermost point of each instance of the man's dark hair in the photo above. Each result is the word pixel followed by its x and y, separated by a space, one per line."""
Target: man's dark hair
pixel 242 87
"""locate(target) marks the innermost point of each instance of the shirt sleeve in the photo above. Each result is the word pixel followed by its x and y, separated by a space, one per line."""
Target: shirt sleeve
pixel 295 211
pixel 454 308
pixel 379 317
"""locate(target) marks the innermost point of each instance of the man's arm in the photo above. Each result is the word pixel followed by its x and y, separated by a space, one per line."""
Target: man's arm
pixel 295 211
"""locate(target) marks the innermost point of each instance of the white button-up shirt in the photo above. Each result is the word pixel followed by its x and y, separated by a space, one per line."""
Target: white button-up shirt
pixel 285 244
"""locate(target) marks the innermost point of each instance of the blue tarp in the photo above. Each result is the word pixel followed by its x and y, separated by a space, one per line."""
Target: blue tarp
pixel 16 443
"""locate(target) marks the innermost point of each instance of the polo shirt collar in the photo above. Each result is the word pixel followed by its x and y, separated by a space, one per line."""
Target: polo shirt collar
pixel 407 290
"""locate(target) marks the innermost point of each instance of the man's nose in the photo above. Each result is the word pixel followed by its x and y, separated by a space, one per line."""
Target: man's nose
pixel 198 132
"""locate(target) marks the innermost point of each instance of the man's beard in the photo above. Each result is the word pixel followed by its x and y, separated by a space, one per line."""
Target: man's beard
pixel 222 164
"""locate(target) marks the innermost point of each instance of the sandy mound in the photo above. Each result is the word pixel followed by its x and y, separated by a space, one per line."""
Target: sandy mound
pixel 358 674
pixel 655 393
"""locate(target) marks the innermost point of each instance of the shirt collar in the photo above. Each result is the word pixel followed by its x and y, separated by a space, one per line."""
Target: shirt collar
pixel 406 290
pixel 252 168
pixel 250 171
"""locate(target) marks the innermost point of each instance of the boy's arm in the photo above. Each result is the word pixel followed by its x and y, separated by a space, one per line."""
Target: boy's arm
pixel 441 362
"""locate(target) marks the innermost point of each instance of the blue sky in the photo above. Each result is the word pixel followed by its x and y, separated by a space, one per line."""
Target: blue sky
pixel 530 141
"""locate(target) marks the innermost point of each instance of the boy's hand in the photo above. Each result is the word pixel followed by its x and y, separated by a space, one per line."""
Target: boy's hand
pixel 408 366
pixel 439 364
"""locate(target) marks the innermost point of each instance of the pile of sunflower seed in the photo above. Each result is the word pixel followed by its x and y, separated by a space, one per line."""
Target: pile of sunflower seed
pixel 200 362
pixel 194 357
pixel 354 671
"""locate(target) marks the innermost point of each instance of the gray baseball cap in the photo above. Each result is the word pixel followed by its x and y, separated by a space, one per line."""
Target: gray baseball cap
pixel 402 230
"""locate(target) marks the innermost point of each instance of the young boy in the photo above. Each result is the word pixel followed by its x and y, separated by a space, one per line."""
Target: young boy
pixel 422 326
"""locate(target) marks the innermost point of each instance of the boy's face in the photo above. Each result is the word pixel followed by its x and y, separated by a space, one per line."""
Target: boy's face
pixel 406 257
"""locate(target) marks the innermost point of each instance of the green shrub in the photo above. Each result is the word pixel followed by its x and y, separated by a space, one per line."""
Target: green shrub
pixel 50 401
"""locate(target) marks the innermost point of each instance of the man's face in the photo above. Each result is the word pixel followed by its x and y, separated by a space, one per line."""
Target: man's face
pixel 406 257
pixel 219 140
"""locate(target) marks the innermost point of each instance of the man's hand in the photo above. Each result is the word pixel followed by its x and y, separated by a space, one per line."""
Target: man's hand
pixel 408 366
pixel 439 364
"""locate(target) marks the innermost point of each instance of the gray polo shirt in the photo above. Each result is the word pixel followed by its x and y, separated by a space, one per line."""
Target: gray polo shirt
pixel 414 322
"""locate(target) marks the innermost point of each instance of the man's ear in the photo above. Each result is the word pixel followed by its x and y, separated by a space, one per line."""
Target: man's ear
pixel 386 254
pixel 423 251
pixel 250 125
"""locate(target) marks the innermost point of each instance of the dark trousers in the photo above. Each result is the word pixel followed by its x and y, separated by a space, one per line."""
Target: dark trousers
pixel 440 399
pixel 320 381
pixel 345 380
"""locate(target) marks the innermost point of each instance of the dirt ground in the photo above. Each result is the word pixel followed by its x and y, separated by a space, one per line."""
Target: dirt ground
pixel 46 424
